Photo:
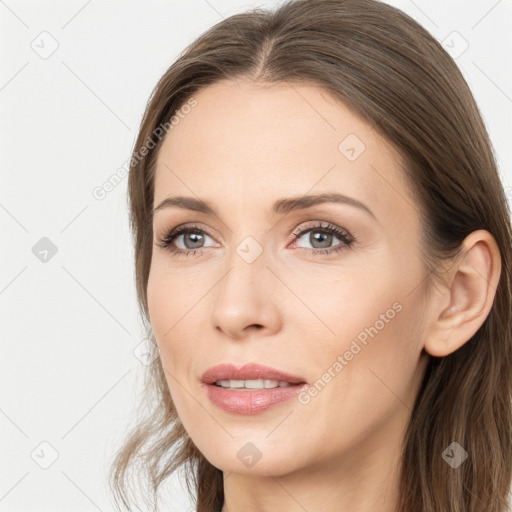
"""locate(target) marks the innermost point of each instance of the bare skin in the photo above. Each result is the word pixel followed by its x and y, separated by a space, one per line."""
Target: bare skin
pixel 296 307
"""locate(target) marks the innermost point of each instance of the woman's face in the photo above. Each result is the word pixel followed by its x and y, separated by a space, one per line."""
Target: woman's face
pixel 340 310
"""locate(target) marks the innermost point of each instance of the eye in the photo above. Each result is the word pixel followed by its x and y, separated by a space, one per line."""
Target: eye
pixel 192 238
pixel 322 236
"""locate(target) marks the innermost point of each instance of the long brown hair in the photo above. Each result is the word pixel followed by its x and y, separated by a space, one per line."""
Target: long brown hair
pixel 397 77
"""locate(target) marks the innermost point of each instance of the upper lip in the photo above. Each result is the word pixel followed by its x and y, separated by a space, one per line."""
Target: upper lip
pixel 250 371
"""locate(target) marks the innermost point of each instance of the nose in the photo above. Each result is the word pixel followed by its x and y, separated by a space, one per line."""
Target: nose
pixel 246 300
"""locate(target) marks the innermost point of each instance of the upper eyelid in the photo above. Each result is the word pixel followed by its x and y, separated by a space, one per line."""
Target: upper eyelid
pixel 181 228
pixel 320 225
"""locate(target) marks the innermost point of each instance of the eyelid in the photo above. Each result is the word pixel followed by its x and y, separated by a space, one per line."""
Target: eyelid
pixel 167 232
pixel 319 224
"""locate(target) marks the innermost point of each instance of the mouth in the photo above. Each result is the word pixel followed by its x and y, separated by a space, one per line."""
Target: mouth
pixel 250 389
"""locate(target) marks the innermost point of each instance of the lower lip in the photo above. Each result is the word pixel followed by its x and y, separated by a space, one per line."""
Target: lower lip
pixel 251 402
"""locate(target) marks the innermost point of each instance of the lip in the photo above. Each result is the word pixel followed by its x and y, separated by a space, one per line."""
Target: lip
pixel 249 371
pixel 249 402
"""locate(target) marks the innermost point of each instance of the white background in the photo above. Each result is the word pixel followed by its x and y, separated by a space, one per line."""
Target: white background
pixel 68 374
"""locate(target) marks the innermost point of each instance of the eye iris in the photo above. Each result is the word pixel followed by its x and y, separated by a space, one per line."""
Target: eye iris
pixel 196 238
pixel 323 238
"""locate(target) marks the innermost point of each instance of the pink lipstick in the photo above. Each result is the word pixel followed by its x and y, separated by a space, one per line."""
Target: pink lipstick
pixel 251 389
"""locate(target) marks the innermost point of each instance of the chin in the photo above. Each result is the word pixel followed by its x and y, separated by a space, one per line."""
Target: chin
pixel 251 458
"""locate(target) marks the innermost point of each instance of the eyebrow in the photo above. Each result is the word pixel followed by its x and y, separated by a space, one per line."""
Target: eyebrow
pixel 283 205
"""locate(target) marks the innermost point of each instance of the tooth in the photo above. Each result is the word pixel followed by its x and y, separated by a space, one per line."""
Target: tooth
pixel 254 384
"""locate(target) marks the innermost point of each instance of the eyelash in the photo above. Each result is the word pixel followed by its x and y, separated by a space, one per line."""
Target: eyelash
pixel 167 241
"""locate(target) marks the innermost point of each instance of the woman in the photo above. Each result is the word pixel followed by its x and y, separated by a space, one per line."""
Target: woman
pixel 323 257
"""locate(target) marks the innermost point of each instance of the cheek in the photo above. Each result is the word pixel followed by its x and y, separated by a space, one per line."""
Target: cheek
pixel 339 302
pixel 176 315
pixel 169 307
pixel 366 350
pixel 171 298
pixel 166 306
pixel 160 304
pixel 365 385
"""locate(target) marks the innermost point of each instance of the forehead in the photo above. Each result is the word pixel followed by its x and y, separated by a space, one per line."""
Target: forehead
pixel 243 143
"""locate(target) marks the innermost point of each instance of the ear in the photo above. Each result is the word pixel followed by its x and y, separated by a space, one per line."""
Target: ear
pixel 465 299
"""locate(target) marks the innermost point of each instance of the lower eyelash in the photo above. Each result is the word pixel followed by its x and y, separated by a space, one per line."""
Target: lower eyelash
pixel 167 242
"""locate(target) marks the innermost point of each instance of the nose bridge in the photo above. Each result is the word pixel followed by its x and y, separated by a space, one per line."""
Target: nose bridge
pixel 247 265
pixel 242 297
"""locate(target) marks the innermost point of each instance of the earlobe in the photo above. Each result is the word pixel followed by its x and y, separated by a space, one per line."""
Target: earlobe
pixel 464 304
